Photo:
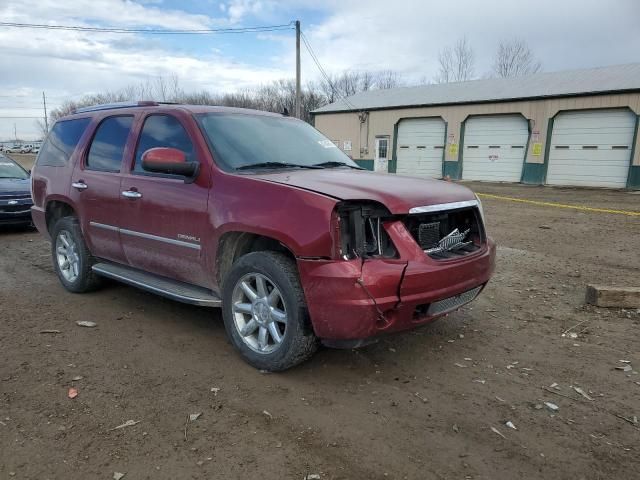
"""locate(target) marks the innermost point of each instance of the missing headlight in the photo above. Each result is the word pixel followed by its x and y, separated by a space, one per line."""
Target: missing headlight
pixel 362 233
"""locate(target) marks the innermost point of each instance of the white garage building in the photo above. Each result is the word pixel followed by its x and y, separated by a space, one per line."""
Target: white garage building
pixel 577 128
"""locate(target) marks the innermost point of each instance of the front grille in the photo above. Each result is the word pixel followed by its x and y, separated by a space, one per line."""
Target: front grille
pixel 447 234
pixel 453 303
pixel 15 208
pixel 14 196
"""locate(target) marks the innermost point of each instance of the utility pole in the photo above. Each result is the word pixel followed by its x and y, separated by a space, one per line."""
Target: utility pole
pixel 298 106
pixel 15 131
pixel 46 122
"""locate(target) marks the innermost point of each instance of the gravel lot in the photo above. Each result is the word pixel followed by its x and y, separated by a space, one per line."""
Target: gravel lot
pixel 431 403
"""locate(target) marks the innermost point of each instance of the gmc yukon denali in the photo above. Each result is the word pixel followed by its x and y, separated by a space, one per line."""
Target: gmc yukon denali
pixel 258 214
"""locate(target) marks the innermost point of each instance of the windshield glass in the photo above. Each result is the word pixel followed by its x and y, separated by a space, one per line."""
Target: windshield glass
pixel 239 140
pixel 9 169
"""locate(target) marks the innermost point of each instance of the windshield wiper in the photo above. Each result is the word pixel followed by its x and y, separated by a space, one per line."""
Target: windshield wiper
pixel 274 165
pixel 335 164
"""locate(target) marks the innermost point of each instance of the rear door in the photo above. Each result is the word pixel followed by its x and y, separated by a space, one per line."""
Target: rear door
pixel 95 187
pixel 591 148
pixel 164 223
pixel 494 148
pixel 420 147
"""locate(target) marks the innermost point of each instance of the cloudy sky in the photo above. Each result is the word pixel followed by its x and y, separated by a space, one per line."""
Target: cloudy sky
pixel 403 35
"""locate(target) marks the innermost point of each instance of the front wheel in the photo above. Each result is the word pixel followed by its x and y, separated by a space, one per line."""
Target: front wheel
pixel 264 311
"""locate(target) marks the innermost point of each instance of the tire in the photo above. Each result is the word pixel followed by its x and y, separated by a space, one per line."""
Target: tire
pixel 281 293
pixel 78 277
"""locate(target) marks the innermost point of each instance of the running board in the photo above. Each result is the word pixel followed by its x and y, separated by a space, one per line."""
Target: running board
pixel 173 289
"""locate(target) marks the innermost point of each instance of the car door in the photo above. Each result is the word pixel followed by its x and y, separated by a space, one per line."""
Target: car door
pixel 164 217
pixel 95 186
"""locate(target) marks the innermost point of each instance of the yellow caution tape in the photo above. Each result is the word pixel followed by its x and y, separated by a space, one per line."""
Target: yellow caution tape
pixel 561 205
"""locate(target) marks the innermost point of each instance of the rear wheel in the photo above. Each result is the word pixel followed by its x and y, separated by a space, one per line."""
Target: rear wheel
pixel 72 260
pixel 265 313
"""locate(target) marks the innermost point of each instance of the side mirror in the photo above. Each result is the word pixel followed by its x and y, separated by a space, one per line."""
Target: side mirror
pixel 168 160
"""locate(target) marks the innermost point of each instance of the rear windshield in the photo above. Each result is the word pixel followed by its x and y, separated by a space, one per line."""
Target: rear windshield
pixel 240 139
pixel 8 169
pixel 61 142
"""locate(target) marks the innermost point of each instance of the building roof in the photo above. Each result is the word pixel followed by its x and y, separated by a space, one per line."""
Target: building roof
pixel 614 79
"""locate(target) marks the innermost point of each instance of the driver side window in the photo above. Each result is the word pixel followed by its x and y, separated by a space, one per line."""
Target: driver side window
pixel 162 131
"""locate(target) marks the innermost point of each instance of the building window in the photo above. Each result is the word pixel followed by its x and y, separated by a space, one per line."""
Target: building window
pixel 382 147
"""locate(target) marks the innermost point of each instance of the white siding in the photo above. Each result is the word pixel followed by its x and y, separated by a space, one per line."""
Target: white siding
pixel 494 148
pixel 591 148
pixel 420 147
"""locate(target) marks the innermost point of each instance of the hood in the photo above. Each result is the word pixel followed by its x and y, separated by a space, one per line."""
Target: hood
pixel 14 185
pixel 396 192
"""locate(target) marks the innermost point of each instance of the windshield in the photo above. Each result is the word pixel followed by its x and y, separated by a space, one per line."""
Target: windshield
pixel 11 170
pixel 241 140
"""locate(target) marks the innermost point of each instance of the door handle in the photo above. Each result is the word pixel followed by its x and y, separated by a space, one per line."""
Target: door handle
pixel 80 185
pixel 131 194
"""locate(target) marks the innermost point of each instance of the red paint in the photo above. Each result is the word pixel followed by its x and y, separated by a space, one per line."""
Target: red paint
pixel 294 207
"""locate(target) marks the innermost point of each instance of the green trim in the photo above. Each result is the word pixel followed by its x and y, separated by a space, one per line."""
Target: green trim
pixel 365 163
pixel 533 173
pixel 633 178
pixel 458 174
pixel 444 149
pixel 547 148
pixel 451 170
pixel 392 165
pixel 526 150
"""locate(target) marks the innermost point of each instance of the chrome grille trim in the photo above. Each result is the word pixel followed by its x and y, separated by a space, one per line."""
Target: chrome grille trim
pixel 443 207
pixel 453 303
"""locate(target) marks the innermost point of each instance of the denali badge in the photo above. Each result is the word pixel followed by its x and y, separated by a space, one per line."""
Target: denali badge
pixel 182 236
pixel 453 241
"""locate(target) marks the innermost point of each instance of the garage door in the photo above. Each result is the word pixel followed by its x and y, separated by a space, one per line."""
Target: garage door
pixel 494 148
pixel 591 148
pixel 420 147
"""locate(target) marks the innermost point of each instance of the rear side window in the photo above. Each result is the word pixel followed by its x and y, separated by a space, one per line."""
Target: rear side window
pixel 163 131
pixel 107 146
pixel 61 142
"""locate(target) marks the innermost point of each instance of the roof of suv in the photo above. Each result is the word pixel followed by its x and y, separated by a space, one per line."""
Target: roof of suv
pixel 132 106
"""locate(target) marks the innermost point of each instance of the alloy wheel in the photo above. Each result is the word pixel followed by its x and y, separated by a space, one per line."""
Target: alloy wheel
pixel 67 256
pixel 259 313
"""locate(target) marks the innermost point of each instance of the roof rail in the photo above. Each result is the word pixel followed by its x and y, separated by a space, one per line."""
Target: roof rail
pixel 112 106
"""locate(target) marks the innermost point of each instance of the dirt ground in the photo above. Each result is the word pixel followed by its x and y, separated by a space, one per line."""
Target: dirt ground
pixel 431 403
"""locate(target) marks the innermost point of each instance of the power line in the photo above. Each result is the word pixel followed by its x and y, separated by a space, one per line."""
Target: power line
pixel 152 31
pixel 322 71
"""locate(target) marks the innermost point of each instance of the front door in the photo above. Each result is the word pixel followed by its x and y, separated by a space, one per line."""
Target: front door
pixel 95 187
pixel 164 217
pixel 382 154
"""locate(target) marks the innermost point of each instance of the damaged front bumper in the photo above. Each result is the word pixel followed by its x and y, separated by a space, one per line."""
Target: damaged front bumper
pixel 361 298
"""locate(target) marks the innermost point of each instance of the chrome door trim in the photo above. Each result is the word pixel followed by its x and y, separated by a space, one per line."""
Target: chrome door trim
pixel 171 241
pixel 444 206
pixel 104 226
pixel 148 236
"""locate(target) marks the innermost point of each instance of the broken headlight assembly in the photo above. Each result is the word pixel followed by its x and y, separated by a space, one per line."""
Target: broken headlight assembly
pixel 361 231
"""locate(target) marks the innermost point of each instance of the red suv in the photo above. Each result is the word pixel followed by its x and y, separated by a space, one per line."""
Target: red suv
pixel 261 215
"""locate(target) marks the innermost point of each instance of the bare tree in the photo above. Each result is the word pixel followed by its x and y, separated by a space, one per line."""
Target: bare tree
pixel 386 79
pixel 278 96
pixel 457 63
pixel 42 128
pixel 514 58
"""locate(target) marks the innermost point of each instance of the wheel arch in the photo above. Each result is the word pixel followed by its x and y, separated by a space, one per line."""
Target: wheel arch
pixel 234 244
pixel 56 209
